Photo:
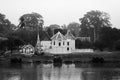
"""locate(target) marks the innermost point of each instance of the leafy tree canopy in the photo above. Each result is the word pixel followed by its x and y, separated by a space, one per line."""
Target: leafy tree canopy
pixel 31 20
pixel 5 25
pixel 74 28
pixel 94 20
pixel 54 26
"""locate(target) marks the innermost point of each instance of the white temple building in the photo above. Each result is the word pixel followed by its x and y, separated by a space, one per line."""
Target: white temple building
pixel 62 44
pixel 59 43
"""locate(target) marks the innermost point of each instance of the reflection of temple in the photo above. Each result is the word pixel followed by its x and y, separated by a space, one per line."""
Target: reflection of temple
pixel 39 70
pixel 66 72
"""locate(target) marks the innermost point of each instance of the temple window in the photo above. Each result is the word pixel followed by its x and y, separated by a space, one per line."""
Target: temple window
pixel 59 44
pixel 68 43
pixel 68 49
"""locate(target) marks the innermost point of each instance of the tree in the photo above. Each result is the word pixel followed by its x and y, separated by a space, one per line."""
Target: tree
pixel 49 31
pixel 12 43
pixel 13 27
pixel 82 44
pixel 108 37
pixel 117 45
pixel 28 36
pixel 74 28
pixel 78 44
pixel 92 23
pixel 54 28
pixel 5 25
pixel 29 27
pixel 31 21
pixel 63 31
pixel 51 28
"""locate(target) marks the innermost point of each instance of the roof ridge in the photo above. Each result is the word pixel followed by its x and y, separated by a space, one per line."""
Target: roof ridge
pixel 56 36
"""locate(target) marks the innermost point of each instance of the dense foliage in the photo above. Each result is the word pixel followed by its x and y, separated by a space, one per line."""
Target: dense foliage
pixel 92 22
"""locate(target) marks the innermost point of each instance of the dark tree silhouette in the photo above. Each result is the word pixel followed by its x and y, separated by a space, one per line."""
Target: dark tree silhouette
pixel 92 22
pixel 5 25
pixel 74 28
pixel 30 21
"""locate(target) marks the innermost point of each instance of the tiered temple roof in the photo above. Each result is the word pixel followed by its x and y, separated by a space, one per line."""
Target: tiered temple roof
pixel 58 36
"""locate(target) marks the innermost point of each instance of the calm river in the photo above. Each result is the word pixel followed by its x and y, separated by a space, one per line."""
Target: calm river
pixel 27 71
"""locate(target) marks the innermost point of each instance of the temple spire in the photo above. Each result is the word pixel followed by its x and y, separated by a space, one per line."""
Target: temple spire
pixel 38 44
pixel 38 39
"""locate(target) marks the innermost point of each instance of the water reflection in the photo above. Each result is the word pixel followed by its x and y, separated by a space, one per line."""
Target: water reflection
pixel 65 72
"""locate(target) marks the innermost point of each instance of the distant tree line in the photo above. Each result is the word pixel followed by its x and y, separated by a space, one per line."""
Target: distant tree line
pixel 94 24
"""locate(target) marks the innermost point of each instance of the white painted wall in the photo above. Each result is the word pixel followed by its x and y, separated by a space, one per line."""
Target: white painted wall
pixel 72 44
pixel 62 49
pixel 45 44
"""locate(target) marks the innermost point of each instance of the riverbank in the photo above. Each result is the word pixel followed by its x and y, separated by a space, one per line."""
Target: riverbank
pixel 97 57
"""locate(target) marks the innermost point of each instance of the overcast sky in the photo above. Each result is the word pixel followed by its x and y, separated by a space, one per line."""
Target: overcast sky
pixel 59 11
